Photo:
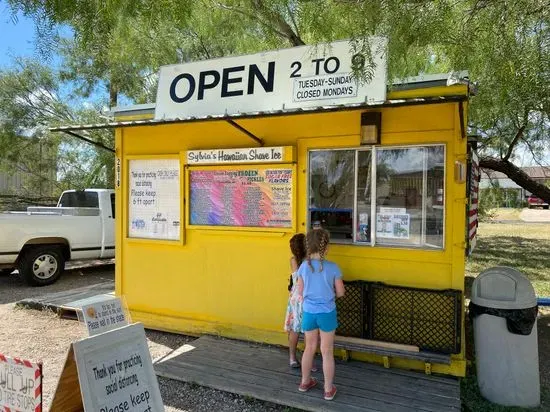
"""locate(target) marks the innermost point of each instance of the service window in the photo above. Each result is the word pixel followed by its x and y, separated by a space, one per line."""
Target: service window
pixel 379 196
pixel 331 191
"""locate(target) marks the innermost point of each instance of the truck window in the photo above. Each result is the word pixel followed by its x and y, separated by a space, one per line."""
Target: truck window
pixel 79 199
pixel 113 205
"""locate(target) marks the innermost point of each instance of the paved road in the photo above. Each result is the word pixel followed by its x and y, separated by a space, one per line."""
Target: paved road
pixel 535 215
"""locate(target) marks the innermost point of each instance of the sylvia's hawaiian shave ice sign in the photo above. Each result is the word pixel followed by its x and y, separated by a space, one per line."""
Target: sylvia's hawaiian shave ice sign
pixel 299 77
pixel 253 155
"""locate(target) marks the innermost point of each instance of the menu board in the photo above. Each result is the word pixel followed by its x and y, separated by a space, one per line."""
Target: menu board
pixel 254 197
pixel 154 199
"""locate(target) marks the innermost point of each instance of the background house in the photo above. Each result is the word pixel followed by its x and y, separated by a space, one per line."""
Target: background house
pixel 510 194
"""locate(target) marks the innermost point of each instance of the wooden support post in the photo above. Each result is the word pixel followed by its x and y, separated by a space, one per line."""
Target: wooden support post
pixel 428 368
pixel 345 355
pixel 386 362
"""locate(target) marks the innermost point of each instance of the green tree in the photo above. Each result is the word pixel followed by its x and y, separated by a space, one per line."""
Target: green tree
pixel 505 46
pixel 31 100
pixel 112 45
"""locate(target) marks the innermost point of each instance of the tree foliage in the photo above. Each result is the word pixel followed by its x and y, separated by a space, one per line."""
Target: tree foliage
pixel 505 45
pixel 31 100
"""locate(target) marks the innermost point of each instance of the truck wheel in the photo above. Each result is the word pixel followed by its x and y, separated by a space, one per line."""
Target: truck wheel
pixel 42 265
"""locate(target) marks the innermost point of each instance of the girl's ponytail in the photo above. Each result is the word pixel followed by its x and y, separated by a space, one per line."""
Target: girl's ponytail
pixel 317 241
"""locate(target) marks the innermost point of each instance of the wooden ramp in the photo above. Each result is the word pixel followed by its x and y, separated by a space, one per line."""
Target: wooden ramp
pixel 262 372
pixel 68 302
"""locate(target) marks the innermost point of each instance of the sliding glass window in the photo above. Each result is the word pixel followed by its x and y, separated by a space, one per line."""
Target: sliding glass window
pixel 384 196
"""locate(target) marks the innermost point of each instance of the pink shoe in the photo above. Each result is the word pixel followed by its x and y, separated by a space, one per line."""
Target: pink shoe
pixel 330 394
pixel 304 388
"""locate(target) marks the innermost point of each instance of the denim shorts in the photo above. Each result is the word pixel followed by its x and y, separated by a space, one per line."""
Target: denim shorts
pixel 327 322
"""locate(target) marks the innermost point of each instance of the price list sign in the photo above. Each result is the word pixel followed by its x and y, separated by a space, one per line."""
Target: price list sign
pixel 255 197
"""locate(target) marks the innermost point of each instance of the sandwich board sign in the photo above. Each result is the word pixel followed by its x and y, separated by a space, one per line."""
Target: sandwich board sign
pixel 109 372
pixel 20 385
pixel 103 316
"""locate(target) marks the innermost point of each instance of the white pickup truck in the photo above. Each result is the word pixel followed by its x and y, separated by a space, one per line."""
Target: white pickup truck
pixel 39 241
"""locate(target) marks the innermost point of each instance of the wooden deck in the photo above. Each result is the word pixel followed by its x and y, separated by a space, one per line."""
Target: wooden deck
pixel 66 303
pixel 262 372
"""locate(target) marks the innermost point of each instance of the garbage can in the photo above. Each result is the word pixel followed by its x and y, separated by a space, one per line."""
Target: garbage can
pixel 504 311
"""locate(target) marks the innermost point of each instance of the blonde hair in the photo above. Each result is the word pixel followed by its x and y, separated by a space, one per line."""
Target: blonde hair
pixel 317 241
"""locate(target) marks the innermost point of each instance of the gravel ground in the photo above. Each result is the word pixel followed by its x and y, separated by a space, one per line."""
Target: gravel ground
pixel 42 336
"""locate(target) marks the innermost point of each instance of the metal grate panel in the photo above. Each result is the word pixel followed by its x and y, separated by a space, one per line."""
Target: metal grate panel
pixel 426 318
pixel 352 310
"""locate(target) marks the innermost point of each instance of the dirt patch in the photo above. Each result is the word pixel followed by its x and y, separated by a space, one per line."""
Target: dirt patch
pixel 42 336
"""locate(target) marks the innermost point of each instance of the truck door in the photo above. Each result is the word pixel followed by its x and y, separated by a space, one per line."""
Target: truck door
pixel 85 224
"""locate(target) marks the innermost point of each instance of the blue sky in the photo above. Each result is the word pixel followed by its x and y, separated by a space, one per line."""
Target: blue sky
pixel 16 38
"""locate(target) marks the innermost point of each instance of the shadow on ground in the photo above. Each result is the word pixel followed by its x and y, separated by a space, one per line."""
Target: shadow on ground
pixel 167 339
pixel 13 289
pixel 528 255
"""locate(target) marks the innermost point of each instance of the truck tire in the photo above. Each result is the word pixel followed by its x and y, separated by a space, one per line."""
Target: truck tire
pixel 42 265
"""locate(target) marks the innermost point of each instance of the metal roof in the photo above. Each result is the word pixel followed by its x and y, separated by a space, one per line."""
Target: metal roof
pixel 249 115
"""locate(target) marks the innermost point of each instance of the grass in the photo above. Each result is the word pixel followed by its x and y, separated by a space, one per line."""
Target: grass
pixel 472 401
pixel 524 247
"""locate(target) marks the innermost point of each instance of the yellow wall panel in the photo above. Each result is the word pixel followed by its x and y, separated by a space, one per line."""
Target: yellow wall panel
pixel 234 283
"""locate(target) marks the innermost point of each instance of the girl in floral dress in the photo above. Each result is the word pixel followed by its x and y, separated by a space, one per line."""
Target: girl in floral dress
pixel 293 319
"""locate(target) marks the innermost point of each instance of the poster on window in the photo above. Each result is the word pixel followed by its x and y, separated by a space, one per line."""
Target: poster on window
pixel 255 197
pixel 393 226
pixel 154 199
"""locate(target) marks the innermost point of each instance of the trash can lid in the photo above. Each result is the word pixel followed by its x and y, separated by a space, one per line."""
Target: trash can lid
pixel 503 287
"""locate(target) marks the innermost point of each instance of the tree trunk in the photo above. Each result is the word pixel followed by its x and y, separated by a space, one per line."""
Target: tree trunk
pixel 278 21
pixel 113 95
pixel 517 175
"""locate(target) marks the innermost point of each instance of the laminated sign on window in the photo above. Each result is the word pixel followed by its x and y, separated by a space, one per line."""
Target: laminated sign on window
pixel 154 199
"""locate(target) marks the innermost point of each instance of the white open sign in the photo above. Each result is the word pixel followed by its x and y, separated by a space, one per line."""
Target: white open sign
pixel 306 76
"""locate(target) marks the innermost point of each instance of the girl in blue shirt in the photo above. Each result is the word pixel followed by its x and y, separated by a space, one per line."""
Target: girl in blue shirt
pixel 319 284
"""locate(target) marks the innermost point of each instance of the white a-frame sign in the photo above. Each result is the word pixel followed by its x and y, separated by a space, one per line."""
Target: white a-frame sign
pixel 109 372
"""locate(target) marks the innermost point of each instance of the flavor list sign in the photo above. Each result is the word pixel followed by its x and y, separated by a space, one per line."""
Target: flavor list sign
pixel 298 77
pixel 252 197
pixel 20 385
pixel 104 316
pixel 154 199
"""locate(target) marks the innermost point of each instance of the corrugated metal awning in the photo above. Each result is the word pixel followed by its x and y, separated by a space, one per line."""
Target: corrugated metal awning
pixel 283 112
